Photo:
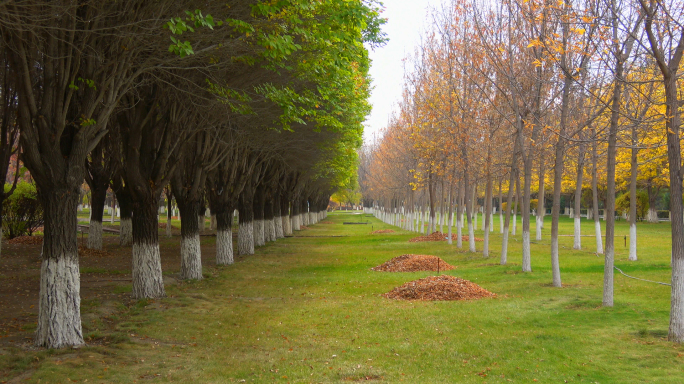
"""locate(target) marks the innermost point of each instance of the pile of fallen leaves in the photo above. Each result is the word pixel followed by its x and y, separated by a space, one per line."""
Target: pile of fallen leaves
pixel 466 238
pixel 32 240
pixel 84 251
pixel 434 236
pixel 439 288
pixel 414 263
pixel 163 226
pixel 302 227
pixel 383 231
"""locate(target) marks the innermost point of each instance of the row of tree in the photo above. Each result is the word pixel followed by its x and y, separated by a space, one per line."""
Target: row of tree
pixel 502 94
pixel 254 105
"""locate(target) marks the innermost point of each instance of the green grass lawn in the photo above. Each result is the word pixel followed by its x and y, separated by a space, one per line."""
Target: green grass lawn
pixel 308 309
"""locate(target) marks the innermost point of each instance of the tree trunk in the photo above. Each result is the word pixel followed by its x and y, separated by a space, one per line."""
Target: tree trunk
pixel 98 197
pixel 224 236
pixel 594 193
pixel 471 225
pixel 258 226
pixel 59 316
pixel 147 272
pixel 169 215
pixel 541 211
pixel 652 216
pixel 245 228
pixel 487 217
pixel 277 218
pixel 125 218
pixel 285 215
pixel 269 227
pixel 500 207
pixel 577 243
pixel 450 216
pixel 509 206
pixel 191 253
pixel 633 198
pixel 459 216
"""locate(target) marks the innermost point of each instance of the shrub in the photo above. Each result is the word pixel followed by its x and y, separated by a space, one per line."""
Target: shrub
pixel 622 203
pixel 22 213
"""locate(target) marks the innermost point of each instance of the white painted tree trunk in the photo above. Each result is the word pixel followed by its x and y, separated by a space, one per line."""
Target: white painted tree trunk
pixel 125 231
pixel 504 248
pixel 471 236
pixel 287 225
pixel 491 222
pixel 59 303
pixel 278 223
pixel 459 231
pixel 258 226
pixel 577 243
pixel 95 235
pixel 485 246
pixel 191 258
pixel 295 223
pixel 246 238
pixel 599 239
pixel 474 221
pixel 147 273
pixel 224 247
pixel 652 215
pixel 538 229
pixel 272 230
pixel 526 261
pixel 555 265
pixel 501 220
pixel 113 214
pixel 515 223
pixel 632 242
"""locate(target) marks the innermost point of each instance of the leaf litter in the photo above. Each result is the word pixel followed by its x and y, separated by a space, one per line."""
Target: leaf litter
pixel 436 288
pixel 414 263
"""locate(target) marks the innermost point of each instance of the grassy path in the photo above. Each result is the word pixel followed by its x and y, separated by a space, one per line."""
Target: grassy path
pixel 309 310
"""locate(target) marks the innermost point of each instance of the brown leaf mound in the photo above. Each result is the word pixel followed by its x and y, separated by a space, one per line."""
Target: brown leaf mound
pixel 442 287
pixel 303 227
pixel 434 236
pixel 383 231
pixel 163 226
pixel 26 240
pixel 414 263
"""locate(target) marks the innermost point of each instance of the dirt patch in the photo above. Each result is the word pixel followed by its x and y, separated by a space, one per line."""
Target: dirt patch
pixel 26 240
pixel 382 231
pixel 439 288
pixel 414 263
pixel 438 236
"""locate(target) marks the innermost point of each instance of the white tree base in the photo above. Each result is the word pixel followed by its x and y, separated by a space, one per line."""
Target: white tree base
pixel 148 282
pixel 246 239
pixel 191 258
pixel 599 239
pixel 526 258
pixel 224 247
pixel 59 303
pixel 258 226
pixel 632 242
pixel 287 226
pixel 577 243
pixel 95 235
pixel 278 222
pixel 126 232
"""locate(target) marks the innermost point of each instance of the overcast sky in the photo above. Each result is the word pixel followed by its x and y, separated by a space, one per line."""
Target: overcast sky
pixel 406 21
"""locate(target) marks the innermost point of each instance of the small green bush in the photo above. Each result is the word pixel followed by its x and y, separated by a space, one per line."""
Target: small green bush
pixel 622 203
pixel 22 213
